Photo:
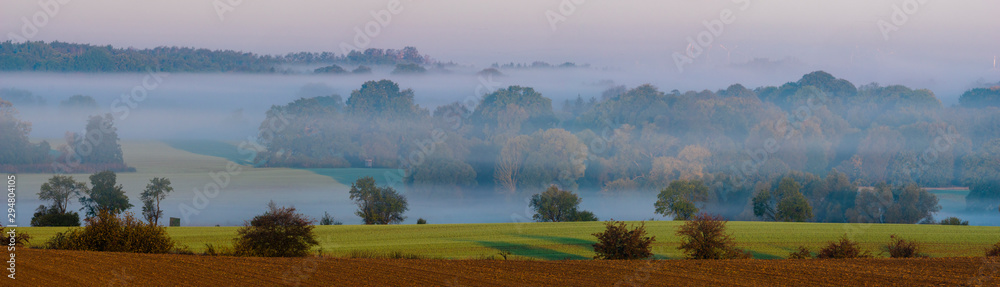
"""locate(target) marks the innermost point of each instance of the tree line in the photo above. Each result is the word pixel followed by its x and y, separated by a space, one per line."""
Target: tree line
pixel 97 149
pixel 69 57
pixel 634 140
pixel 103 194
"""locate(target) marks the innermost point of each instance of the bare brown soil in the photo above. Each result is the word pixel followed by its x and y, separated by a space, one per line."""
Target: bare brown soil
pixel 78 268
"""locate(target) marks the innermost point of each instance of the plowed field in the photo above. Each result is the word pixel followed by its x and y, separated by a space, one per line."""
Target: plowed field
pixel 76 268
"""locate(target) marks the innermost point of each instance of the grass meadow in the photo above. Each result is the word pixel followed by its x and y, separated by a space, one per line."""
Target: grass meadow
pixel 572 240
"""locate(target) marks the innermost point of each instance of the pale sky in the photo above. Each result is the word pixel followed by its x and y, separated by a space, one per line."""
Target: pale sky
pixel 609 33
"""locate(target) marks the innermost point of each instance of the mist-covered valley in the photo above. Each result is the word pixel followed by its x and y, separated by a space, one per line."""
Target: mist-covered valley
pixel 230 106
pixel 227 110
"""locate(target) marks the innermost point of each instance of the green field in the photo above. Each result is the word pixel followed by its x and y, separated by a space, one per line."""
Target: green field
pixel 572 240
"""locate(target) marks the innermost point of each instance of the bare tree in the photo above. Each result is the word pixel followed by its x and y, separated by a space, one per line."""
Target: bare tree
pixel 509 164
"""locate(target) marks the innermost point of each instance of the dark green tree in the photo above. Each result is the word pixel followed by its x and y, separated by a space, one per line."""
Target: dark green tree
pixel 555 205
pixel 680 198
pixel 786 204
pixel 377 205
pixel 382 99
pixel 493 108
pixel 981 98
pixel 982 176
pixel 331 69
pixel 585 215
pixel 80 102
pixel 156 191
pixel 913 204
pixel 50 216
pixel 104 194
pixel 102 141
pixel 403 69
pixel 60 189
pixel 362 70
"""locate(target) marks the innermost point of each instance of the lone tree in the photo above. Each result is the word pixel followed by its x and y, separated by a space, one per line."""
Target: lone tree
pixel 60 190
pixel 704 237
pixel 279 232
pixel 786 204
pixel 555 205
pixel 156 190
pixel 102 136
pixel 378 205
pixel 680 197
pixel 104 194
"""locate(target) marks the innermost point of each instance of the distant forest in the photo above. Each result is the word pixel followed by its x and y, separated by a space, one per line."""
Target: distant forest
pixel 640 139
pixel 68 57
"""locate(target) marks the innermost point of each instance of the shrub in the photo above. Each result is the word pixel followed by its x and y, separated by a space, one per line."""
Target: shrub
pixel 705 237
pixel 421 221
pixel 801 253
pixel 953 221
pixel 618 242
pixel 993 250
pixel 279 232
pixel 51 217
pixel 20 238
pixel 902 248
pixel 211 250
pixel 584 215
pixel 108 232
pixel 504 254
pixel 329 220
pixel 845 248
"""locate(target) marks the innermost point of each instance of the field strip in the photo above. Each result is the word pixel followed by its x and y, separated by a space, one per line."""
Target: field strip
pixel 38 267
